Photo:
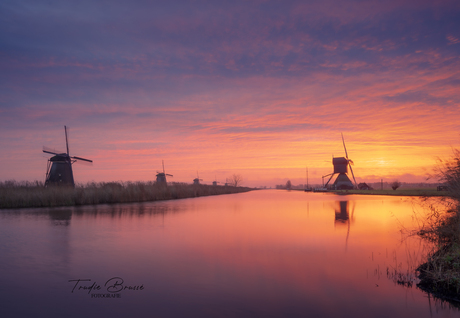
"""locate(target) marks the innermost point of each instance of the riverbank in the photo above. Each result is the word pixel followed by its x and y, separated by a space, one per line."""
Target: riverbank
pixel 15 195
pixel 423 192
pixel 440 274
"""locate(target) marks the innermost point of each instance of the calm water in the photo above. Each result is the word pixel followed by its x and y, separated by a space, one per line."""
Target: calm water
pixel 258 254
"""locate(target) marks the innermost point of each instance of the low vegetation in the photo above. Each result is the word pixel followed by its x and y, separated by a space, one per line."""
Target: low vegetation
pixel 33 194
pixel 440 274
pixel 423 192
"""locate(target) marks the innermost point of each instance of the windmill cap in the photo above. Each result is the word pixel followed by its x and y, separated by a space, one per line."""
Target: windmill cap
pixel 60 157
pixel 339 160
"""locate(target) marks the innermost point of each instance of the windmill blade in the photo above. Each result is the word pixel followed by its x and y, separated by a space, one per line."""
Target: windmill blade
pixel 79 158
pixel 348 234
pixel 163 163
pixel 353 210
pixel 352 174
pixel 66 140
pixel 50 152
pixel 343 140
pixel 169 175
pixel 351 162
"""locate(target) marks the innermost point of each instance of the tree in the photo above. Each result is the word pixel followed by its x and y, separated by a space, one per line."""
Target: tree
pixel 236 180
pixel 395 184
pixel 288 185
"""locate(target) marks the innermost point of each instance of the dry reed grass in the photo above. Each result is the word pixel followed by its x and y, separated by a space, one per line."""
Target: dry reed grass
pixel 33 194
pixel 428 192
pixel 440 274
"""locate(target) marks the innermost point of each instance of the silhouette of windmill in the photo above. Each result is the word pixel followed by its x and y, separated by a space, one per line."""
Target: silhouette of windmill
pixel 197 179
pixel 59 167
pixel 341 165
pixel 161 176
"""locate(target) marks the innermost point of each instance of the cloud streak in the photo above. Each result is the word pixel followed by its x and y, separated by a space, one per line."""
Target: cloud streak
pixel 262 87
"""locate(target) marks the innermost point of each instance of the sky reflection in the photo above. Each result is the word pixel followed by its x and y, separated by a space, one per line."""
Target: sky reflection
pixel 263 253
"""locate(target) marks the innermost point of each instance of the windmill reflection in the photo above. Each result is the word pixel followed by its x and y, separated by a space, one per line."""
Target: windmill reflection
pixel 60 216
pixel 342 216
pixel 59 246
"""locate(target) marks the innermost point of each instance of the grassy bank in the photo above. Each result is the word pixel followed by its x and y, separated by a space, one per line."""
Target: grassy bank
pixel 34 194
pixel 440 274
pixel 423 192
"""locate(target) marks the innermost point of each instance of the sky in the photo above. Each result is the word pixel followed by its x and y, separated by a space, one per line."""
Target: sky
pixel 263 89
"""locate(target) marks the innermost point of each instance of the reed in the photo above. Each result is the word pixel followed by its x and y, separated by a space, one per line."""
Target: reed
pixel 15 194
pixel 440 274
pixel 424 192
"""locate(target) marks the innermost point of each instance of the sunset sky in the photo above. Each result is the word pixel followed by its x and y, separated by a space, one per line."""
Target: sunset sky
pixel 259 88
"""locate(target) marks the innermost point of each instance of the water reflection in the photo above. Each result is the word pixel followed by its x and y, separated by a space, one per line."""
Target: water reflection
pixel 60 217
pixel 342 216
pixel 341 213
pixel 264 253
pixel 129 210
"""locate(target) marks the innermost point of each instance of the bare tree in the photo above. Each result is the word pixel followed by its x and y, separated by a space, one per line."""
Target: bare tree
pixel 236 180
pixel 395 184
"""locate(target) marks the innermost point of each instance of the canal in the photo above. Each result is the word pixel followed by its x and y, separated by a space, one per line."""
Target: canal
pixel 267 253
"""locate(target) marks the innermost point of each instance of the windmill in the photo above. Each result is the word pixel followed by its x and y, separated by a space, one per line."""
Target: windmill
pixel 341 165
pixel 307 188
pixel 59 167
pixel 215 182
pixel 161 176
pixel 197 179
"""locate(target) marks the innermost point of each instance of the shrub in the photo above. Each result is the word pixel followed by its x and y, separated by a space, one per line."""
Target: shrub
pixel 395 184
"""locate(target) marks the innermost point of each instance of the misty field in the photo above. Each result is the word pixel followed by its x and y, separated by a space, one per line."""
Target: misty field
pixel 33 194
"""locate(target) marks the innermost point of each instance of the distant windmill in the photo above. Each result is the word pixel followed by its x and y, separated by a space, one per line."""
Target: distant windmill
pixel 59 167
pixel 214 183
pixel 307 188
pixel 161 176
pixel 341 165
pixel 197 179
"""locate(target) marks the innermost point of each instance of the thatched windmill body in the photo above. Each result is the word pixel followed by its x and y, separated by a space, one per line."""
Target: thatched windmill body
pixel 161 176
pixel 59 167
pixel 341 165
